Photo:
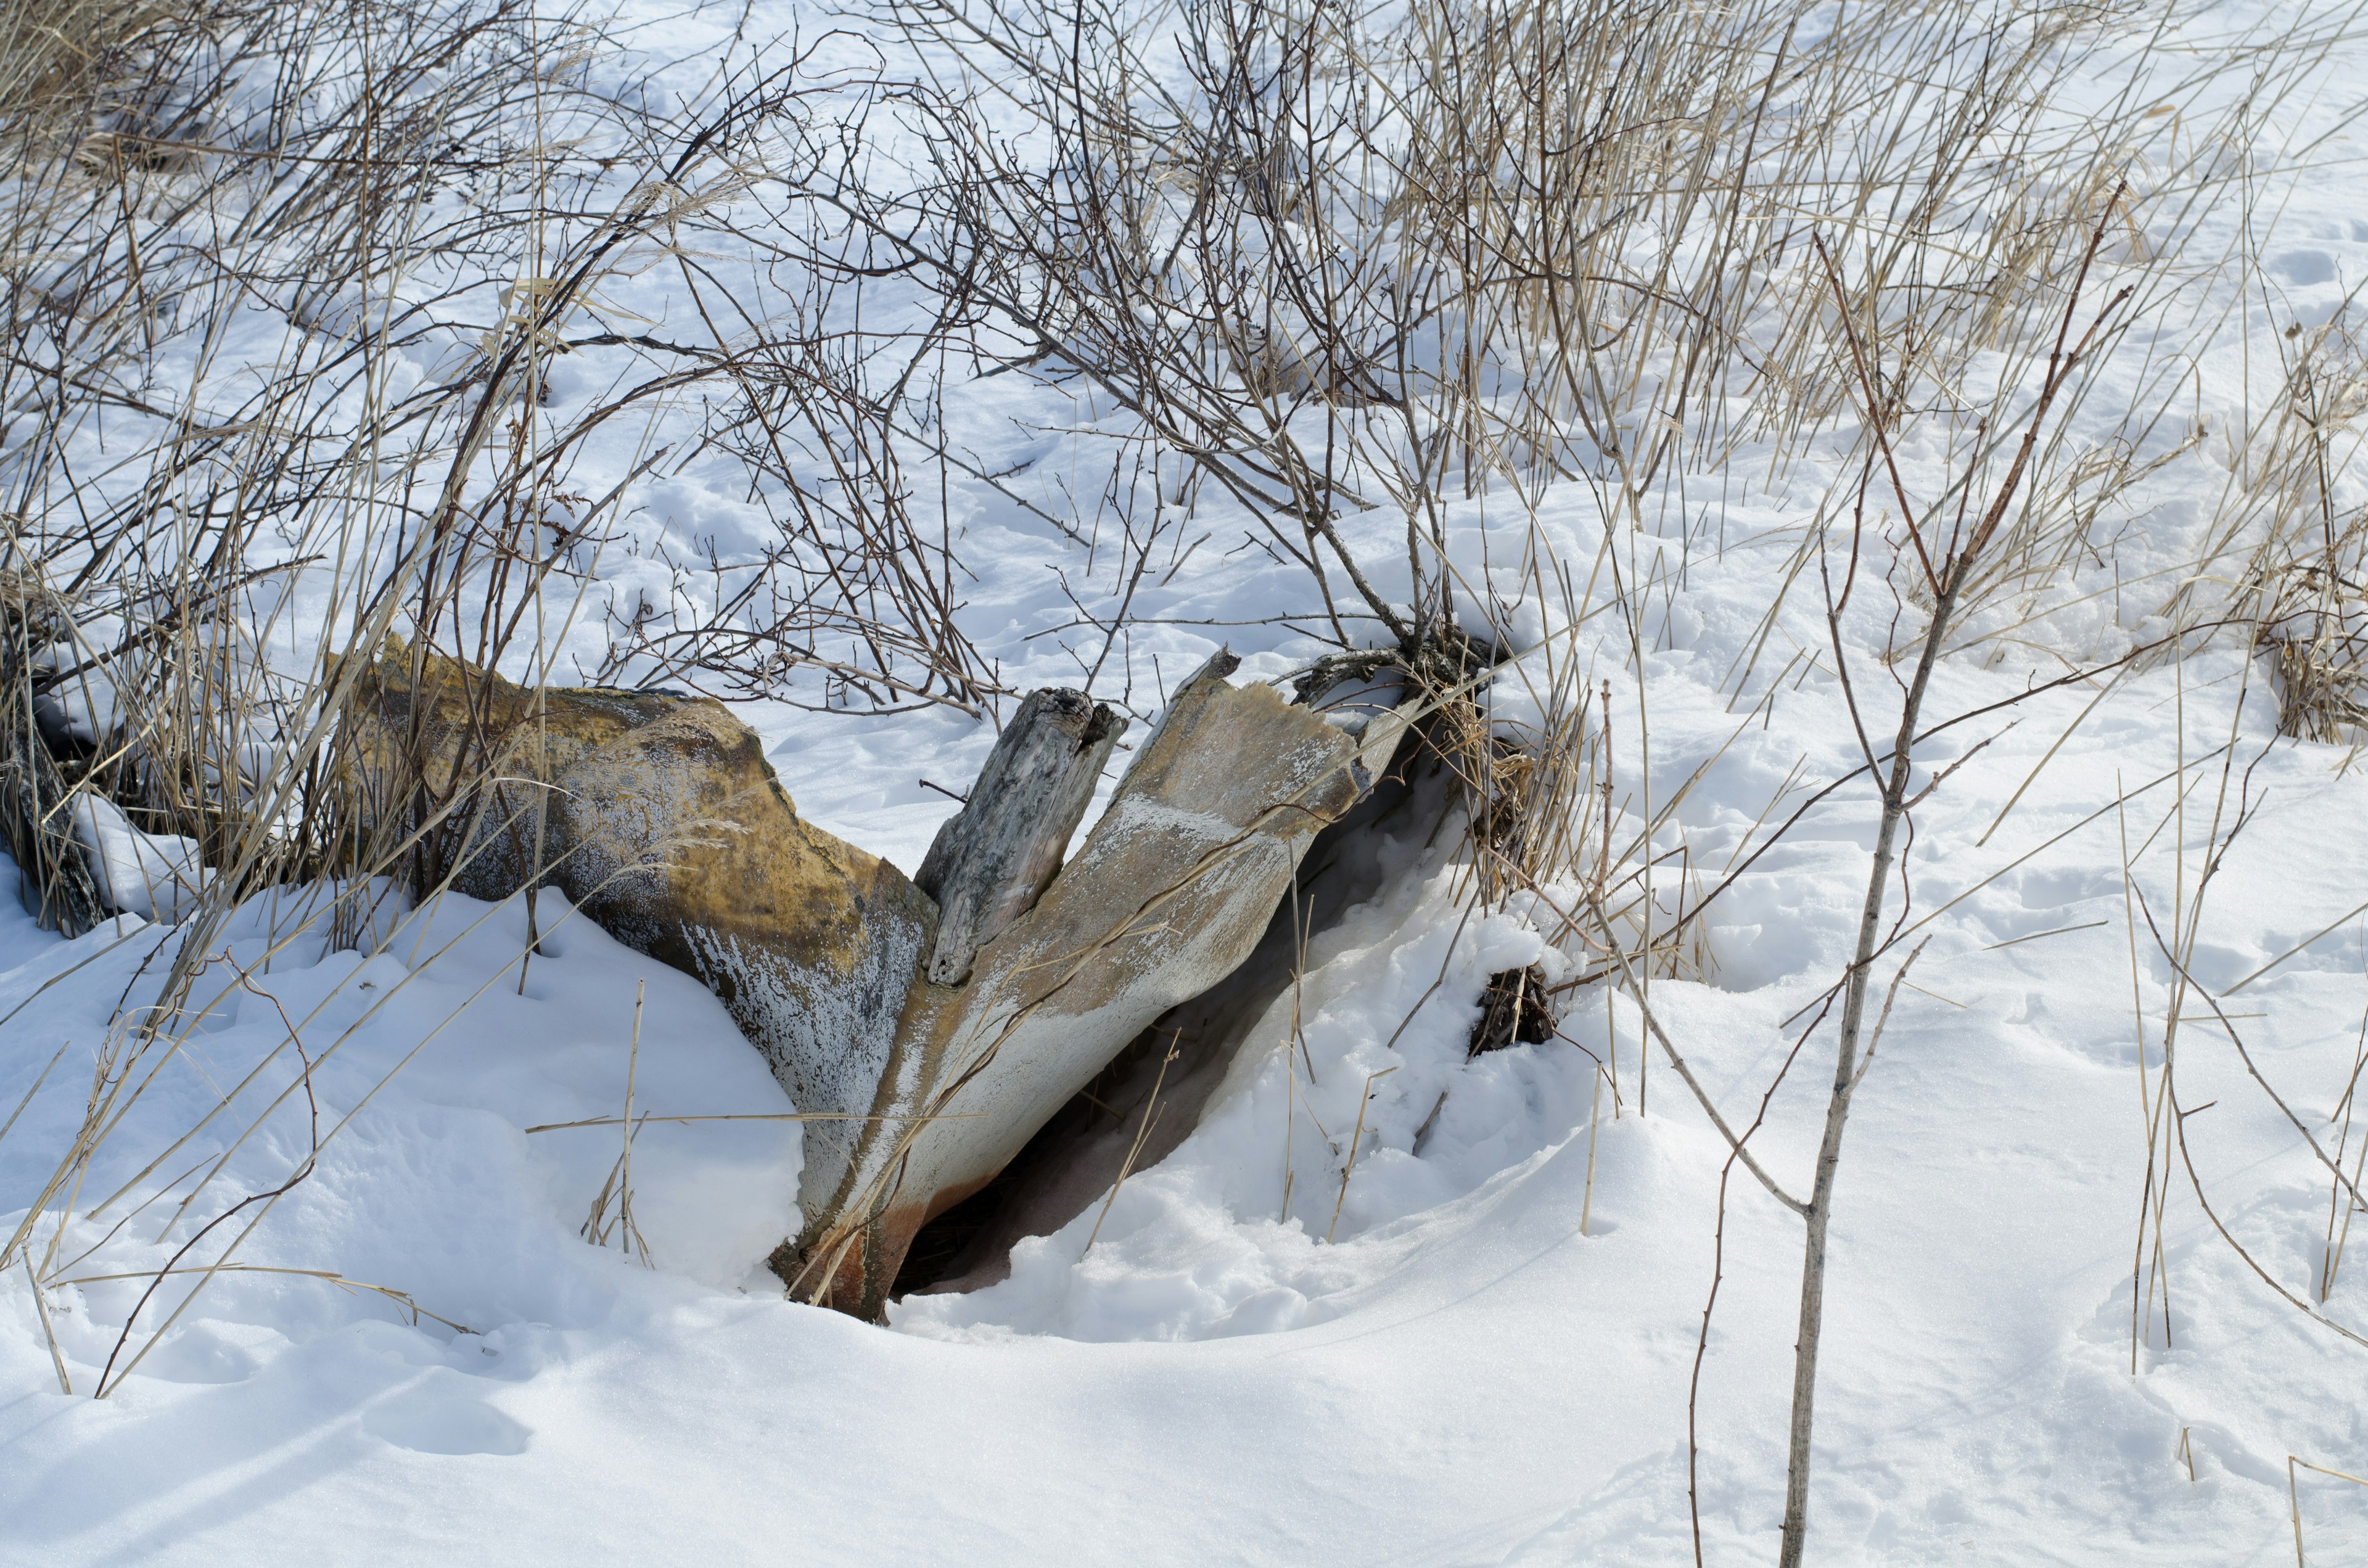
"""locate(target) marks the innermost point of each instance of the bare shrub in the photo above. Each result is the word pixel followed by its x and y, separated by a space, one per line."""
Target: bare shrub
pixel 283 302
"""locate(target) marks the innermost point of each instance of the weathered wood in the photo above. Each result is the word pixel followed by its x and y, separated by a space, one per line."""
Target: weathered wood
pixel 1074 1160
pixel 1170 892
pixel 991 858
pixel 665 823
pixel 56 885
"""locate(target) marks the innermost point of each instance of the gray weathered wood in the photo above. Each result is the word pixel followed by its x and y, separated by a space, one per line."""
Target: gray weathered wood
pixel 1167 896
pixel 993 858
pixel 56 886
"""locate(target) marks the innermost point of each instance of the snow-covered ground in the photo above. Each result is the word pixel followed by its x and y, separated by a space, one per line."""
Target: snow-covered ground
pixel 1492 1358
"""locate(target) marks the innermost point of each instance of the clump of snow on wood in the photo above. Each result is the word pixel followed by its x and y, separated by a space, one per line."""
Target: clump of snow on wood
pixel 156 875
pixel 85 704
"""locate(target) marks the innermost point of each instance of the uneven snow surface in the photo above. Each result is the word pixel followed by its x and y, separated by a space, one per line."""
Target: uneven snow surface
pixel 1461 1375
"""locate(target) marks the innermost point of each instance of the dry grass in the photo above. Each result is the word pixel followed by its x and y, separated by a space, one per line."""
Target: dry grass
pixel 281 293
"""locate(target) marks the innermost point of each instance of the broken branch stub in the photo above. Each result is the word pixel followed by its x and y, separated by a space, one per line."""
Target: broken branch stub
pixel 1171 891
pixel 991 859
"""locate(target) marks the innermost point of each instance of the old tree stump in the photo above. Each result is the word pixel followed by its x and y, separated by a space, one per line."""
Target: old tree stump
pixel 934 1024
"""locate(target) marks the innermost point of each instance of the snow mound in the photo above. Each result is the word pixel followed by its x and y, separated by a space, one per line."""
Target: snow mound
pixel 1260 1218
pixel 417 1080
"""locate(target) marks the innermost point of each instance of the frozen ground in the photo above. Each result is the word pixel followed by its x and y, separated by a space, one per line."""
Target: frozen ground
pixel 1463 1376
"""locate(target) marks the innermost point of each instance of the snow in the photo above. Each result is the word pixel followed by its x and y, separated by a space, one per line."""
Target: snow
pixel 1487 1357
pixel 1197 1247
pixel 87 706
pixel 155 876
